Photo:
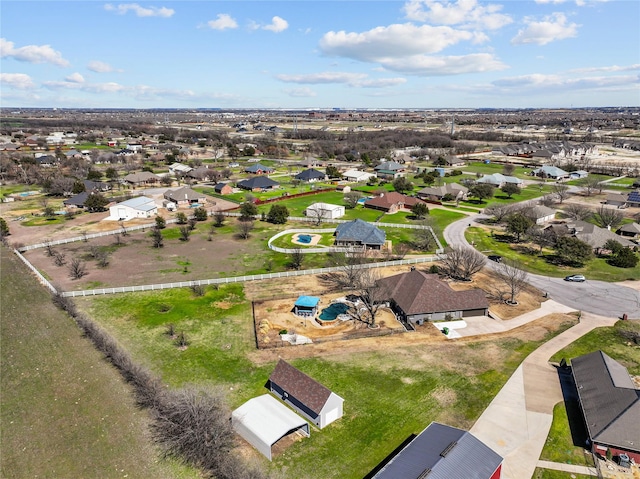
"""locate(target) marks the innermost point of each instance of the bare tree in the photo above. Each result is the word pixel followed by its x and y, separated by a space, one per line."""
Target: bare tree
pixel 577 211
pixel 123 229
pixel 372 294
pixel 500 212
pixel 103 259
pixel 424 238
pixel 351 199
pixel 561 191
pixel 49 248
pixel 608 217
pixel 462 263
pixel 510 272
pixel 245 228
pixel 77 269
pixel 590 184
pixel 297 258
pixel 156 237
pixel 318 214
pixel 350 269
pixel 185 232
pixel 59 259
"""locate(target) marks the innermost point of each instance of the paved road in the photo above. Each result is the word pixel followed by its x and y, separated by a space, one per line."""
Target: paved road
pixel 597 297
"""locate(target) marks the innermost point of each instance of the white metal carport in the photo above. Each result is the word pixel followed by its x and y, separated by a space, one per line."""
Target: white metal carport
pixel 263 421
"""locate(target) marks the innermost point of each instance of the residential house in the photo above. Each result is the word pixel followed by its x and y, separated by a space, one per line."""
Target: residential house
pixel 392 202
pixel 305 395
pixel 141 179
pixel 359 233
pixel 311 162
pixel 442 452
pixel 499 180
pixel 47 161
pixel 633 200
pixel 417 297
pixel 552 172
pixel 453 161
pixel 179 169
pixel 311 176
pixel 185 196
pixel 631 230
pixel 616 199
pixel 223 189
pixel 591 234
pixel 259 169
pixel 578 174
pixel 390 170
pixel 258 183
pixel 324 211
pixel 540 214
pixel 139 207
pixel 203 173
pixel 610 404
pixel 77 201
pixel 96 185
pixel 436 193
pixel 357 176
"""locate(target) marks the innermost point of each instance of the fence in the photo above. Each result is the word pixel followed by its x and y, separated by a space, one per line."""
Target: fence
pixel 41 278
pixel 242 279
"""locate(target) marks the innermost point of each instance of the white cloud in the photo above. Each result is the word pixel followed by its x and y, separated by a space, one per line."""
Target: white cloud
pixel 580 3
pixel 393 41
pixel 612 68
pixel 540 82
pixel 424 65
pixel 32 53
pixel 75 78
pixel 360 80
pixel 140 11
pixel 301 92
pixel 223 21
pixel 100 67
pixel 466 13
pixel 277 25
pixel 552 28
pixel 19 81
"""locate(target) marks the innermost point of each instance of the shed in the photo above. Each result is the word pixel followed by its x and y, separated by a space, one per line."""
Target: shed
pixel 306 306
pixel 263 421
pixel 305 395
pixel 322 211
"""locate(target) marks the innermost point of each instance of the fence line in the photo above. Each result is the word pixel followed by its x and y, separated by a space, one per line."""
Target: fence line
pixel 242 279
pixel 41 278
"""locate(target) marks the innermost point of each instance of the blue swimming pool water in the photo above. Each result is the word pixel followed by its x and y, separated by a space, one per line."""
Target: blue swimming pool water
pixel 306 239
pixel 332 311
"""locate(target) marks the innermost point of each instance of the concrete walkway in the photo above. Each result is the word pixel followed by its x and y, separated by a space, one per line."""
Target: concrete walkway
pixel 518 420
pixel 587 471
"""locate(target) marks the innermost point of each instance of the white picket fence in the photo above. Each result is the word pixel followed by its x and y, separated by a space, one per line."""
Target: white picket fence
pixel 241 279
pixel 41 278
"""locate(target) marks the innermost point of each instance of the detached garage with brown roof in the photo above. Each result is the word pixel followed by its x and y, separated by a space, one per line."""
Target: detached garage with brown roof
pixel 305 395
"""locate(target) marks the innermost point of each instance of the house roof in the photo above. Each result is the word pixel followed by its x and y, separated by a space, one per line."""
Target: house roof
pixel 360 231
pixel 218 187
pixel 499 178
pixel 541 211
pixel 595 236
pixel 310 174
pixel 417 292
pixel 297 384
pixel 142 203
pixel 447 188
pixel 442 452
pixel 630 228
pixel 257 167
pixel 258 182
pixel 357 174
pixel 184 193
pixel 389 166
pixel 77 200
pixel 95 185
pixel 609 400
pixel 307 301
pixel 387 200
pixel 549 170
pixel 141 176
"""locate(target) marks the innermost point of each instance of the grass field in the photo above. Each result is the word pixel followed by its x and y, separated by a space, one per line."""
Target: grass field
pixel 540 473
pixel 559 446
pixel 65 412
pixel 390 392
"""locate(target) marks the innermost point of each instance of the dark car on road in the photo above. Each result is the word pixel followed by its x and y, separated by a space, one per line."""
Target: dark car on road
pixel 495 257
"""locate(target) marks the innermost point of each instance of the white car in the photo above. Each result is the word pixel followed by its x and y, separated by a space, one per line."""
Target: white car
pixel 577 278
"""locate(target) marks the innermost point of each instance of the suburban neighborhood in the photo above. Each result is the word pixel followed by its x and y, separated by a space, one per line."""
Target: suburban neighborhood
pixel 463 304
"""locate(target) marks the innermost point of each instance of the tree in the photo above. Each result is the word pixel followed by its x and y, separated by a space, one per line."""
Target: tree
pixel 402 185
pixel 185 233
pixel 573 251
pixel 561 191
pixel 78 187
pixel 508 169
pixel 200 214
pixel 613 246
pixel 577 211
pixel 181 218
pixel 349 269
pixel 590 184
pixel 111 173
pixel 96 202
pixel 218 219
pixel 518 224
pixel 624 258
pixel 156 237
pixel 500 212
pixel 77 269
pixel 351 199
pixel 513 276
pixel 94 175
pixel 317 214
pixel 248 211
pixel 482 191
pixel 278 214
pixel 372 294
pixel 48 212
pixel 333 172
pixel 510 189
pixel 161 223
pixel 424 238
pixel 245 228
pixel 462 262
pixel 4 228
pixel 420 210
pixel 608 217
pixel 297 258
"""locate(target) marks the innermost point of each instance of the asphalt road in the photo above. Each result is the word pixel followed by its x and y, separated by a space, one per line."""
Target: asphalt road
pixel 597 297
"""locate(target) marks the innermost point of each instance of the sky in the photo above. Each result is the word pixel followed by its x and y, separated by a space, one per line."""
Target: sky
pixel 305 54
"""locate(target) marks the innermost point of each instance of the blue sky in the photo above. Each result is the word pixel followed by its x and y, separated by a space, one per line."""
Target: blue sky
pixel 328 54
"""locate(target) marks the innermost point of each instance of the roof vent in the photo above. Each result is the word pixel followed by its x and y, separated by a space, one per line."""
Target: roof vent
pixel 448 449
pixel 424 473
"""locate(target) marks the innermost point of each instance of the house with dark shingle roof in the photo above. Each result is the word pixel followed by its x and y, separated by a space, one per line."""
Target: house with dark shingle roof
pixel 258 183
pixel 392 202
pixel 442 452
pixel 360 233
pixel 311 175
pixel 417 297
pixel 629 230
pixel 185 196
pixel 610 404
pixel 259 169
pixel 142 178
pixel 436 193
pixel 305 395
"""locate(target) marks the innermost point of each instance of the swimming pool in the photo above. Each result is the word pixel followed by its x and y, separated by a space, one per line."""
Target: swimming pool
pixel 332 311
pixel 306 239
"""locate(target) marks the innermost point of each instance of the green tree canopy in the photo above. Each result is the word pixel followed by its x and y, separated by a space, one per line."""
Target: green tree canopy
pixel 420 210
pixel 482 191
pixel 278 214
pixel 573 251
pixel 402 185
pixel 248 210
pixel 518 224
pixel 96 202
pixel 510 189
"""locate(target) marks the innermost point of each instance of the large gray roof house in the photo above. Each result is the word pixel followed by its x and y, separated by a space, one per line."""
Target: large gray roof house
pixel 610 404
pixel 442 452
pixel 359 233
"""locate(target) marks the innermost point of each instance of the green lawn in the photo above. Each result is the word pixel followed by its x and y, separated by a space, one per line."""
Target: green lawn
pixel 64 411
pixel 540 473
pixel 596 268
pixel 491 168
pixel 528 193
pixel 388 394
pixel 560 445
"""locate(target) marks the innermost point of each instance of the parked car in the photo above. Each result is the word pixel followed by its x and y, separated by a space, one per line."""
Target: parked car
pixel 577 278
pixel 495 257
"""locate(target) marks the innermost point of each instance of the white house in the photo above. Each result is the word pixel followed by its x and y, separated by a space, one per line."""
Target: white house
pixel 324 211
pixel 357 175
pixel 139 207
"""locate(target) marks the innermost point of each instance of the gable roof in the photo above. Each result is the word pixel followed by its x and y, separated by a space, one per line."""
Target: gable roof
pixel 258 182
pixel 442 452
pixel 141 176
pixel 387 200
pixel 630 228
pixel 361 231
pixel 77 200
pixel 550 171
pixel 220 186
pixel 417 292
pixel 258 167
pixel 499 178
pixel 540 211
pixel 389 166
pixel 142 203
pixel 297 384
pixel 595 236
pixel 184 193
pixel 310 174
pixel 610 403
pixel 447 188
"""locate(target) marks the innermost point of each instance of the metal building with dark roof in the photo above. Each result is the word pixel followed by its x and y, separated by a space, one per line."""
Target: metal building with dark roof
pixel 443 452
